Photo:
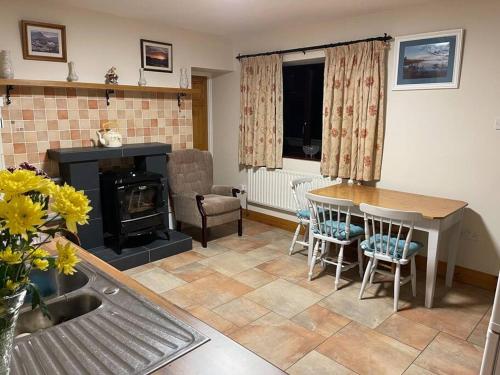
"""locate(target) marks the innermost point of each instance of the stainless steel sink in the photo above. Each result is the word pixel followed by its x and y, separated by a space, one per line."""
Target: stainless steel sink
pixel 97 326
pixel 31 321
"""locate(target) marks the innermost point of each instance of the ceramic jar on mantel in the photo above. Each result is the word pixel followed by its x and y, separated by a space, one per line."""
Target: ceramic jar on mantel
pixel 6 70
pixel 72 76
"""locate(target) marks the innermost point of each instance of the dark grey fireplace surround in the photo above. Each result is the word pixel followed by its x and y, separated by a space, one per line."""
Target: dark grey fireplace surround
pixel 79 167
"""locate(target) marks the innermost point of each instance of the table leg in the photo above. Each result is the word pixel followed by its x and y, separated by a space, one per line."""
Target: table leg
pixel 432 263
pixel 311 245
pixel 453 249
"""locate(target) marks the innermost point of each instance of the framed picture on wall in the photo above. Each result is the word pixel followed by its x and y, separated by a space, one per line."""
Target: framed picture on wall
pixel 43 41
pixel 428 61
pixel 156 56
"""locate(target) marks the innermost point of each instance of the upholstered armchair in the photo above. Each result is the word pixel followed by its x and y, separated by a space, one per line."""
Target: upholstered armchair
pixel 196 200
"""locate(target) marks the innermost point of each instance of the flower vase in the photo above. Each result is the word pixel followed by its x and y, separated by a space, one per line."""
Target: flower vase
pixel 6 70
pixel 9 311
pixel 142 79
pixel 72 76
pixel 184 79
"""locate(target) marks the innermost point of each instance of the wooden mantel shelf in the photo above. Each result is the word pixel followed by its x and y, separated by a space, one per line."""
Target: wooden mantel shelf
pixel 95 86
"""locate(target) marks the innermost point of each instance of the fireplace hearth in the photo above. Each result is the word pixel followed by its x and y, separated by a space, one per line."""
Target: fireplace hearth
pixel 133 205
pixel 147 195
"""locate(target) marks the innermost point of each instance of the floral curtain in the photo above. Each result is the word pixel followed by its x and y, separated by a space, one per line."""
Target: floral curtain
pixel 353 111
pixel 261 112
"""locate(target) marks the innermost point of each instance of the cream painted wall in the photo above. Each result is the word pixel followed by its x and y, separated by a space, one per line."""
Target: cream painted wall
pixel 438 142
pixel 97 41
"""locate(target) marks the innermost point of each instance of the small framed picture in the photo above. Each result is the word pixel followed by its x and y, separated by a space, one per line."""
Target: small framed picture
pixel 156 56
pixel 43 41
pixel 428 61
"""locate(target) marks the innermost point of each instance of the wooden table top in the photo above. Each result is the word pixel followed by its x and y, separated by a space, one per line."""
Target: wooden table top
pixel 220 355
pixel 429 207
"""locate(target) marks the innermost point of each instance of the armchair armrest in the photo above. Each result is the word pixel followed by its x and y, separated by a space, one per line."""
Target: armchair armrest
pixel 226 190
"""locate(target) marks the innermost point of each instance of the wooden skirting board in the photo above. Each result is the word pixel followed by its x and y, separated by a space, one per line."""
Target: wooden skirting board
pixel 462 274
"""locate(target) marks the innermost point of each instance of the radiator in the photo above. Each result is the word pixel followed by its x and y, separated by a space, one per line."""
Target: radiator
pixel 271 188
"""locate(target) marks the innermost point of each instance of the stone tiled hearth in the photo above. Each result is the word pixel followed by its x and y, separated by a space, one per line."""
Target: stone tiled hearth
pixel 42 118
pixel 250 289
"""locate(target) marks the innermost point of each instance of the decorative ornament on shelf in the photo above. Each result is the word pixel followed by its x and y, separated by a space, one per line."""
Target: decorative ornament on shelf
pixel 25 228
pixel 72 76
pixel 6 70
pixel 111 76
pixel 142 79
pixel 108 136
pixel 184 79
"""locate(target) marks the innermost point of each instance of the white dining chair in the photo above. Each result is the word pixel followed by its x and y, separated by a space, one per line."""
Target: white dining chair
pixel 331 223
pixel 385 240
pixel 299 188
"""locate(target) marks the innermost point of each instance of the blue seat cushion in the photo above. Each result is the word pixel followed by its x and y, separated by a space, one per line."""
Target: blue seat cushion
pixel 304 214
pixel 375 243
pixel 330 227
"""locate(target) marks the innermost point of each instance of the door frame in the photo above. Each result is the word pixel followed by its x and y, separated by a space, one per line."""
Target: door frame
pixel 209 107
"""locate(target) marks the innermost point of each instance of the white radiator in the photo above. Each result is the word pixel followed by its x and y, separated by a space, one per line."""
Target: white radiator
pixel 271 188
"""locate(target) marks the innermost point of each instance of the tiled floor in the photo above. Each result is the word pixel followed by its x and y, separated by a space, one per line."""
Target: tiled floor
pixel 250 289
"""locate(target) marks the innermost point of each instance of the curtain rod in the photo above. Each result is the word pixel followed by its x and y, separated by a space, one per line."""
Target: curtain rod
pixel 384 38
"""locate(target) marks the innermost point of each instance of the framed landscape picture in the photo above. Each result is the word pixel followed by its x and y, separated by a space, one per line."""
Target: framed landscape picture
pixel 428 61
pixel 156 56
pixel 43 41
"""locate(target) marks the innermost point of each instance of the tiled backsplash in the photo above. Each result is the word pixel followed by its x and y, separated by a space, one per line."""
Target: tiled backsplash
pixel 42 118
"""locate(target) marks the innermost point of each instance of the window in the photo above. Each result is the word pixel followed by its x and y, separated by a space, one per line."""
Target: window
pixel 303 110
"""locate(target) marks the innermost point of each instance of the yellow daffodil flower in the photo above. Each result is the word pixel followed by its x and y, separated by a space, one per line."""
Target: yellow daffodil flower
pixel 21 215
pixel 72 205
pixel 66 259
pixel 11 285
pixel 41 264
pixel 11 257
pixel 22 181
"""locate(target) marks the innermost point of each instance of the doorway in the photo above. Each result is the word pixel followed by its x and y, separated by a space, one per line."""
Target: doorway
pixel 200 112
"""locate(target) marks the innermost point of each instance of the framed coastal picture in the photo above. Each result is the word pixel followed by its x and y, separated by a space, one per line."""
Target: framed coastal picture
pixel 156 56
pixel 428 61
pixel 43 41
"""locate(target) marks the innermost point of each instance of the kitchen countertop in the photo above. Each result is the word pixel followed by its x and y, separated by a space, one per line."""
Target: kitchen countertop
pixel 220 355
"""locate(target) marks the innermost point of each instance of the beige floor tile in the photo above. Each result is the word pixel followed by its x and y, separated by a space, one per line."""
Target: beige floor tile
pixel 211 250
pixel 283 244
pixel 478 335
pixel 315 363
pixel 366 351
pixel 457 311
pixel 192 271
pixel 407 331
pixel 241 243
pixel 254 277
pixel 241 311
pixel 255 229
pixel 231 263
pixel 265 253
pixel 136 270
pixel 277 339
pixel 416 370
pixel 179 260
pixel 320 320
pixel 212 319
pixel 158 280
pixel 324 283
pixel 177 298
pixel 284 298
pixel 214 290
pixel 450 355
pixel 368 311
pixel 287 267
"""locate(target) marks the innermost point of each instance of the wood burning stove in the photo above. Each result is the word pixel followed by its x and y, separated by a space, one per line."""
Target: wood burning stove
pixel 133 204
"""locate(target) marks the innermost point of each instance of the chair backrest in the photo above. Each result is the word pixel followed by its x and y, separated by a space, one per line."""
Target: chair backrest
pixel 326 208
pixel 299 188
pixel 396 220
pixel 190 171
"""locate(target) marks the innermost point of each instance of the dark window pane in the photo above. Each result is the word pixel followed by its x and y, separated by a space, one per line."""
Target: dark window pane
pixel 302 110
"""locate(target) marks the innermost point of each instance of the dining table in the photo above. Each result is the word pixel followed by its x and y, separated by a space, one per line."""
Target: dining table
pixel 440 215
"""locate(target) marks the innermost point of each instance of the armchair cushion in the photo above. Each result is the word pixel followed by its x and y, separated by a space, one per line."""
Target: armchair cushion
pixel 218 204
pixel 222 190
